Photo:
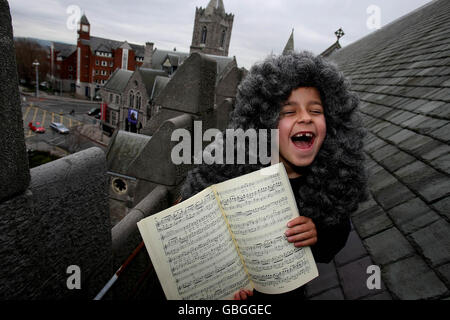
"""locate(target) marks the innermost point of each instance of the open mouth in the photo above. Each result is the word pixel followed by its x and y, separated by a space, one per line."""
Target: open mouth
pixel 303 140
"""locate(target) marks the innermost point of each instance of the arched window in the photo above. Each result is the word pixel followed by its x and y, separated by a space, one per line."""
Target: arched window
pixel 131 101
pixel 222 40
pixel 138 100
pixel 204 33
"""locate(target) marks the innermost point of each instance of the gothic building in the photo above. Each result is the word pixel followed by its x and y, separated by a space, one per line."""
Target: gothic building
pixel 212 29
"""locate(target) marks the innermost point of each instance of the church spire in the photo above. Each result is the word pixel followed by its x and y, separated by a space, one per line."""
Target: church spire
pixel 215 4
pixel 290 44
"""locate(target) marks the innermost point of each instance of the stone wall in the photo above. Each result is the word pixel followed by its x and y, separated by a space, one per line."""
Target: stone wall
pixel 13 161
pixel 61 220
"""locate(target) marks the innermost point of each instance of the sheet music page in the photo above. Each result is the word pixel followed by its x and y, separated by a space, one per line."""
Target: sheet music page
pixel 193 252
pixel 258 207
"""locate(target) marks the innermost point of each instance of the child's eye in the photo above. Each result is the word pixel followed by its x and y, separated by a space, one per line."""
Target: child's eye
pixel 316 111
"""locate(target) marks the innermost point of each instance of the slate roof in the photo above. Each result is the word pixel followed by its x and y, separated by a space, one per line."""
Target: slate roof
pixel 402 76
pixel 64 50
pixel 118 80
pixel 160 84
pixel 159 56
pixel 149 77
pixel 108 45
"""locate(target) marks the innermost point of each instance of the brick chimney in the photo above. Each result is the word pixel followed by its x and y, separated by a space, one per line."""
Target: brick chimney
pixel 148 55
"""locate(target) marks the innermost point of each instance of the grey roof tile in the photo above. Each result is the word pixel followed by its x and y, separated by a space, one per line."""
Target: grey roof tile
pixel 442 163
pixel 442 111
pixel 444 271
pixel 401 136
pixel 353 278
pixel 434 242
pixel 430 125
pixel 412 215
pixel 419 282
pixel 418 144
pixel 443 133
pixel 393 195
pixel 388 246
pixel 328 279
pixel 384 152
pixel 371 221
pixel 443 207
pixel 440 149
pixel 385 295
pixel 402 75
pixel 396 161
pixel 389 131
pixel 332 294
pixel 425 180
pixel 353 250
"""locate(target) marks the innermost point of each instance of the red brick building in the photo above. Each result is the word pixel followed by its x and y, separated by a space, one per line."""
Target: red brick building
pixel 97 58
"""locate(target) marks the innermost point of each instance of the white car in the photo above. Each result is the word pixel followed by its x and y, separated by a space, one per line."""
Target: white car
pixel 59 127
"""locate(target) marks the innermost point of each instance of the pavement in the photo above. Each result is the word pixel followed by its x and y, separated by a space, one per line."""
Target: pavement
pixel 43 95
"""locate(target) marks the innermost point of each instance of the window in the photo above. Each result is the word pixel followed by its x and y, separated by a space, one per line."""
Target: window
pixel 204 34
pixel 70 68
pixel 222 40
pixel 110 97
pixel 117 99
pixel 111 64
pixel 97 62
pixel 131 100
pixel 104 64
pixel 138 100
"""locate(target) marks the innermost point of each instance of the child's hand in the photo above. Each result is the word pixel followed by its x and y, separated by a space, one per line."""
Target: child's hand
pixel 302 232
pixel 243 294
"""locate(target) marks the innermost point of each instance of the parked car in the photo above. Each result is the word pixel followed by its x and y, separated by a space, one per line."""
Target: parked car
pixel 97 98
pixel 94 111
pixel 98 116
pixel 59 127
pixel 36 127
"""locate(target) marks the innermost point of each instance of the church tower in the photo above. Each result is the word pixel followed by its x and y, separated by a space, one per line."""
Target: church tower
pixel 212 29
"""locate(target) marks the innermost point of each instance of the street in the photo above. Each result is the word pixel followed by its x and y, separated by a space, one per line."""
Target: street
pixel 58 109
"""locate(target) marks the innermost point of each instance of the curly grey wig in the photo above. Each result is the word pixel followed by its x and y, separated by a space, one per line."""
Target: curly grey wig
pixel 335 182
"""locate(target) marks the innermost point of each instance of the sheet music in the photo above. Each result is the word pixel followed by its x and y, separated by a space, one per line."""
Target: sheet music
pixel 258 212
pixel 199 254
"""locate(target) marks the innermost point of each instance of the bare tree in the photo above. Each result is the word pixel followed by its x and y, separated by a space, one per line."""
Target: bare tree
pixel 27 51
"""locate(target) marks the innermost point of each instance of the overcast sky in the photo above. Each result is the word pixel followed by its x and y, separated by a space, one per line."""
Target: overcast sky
pixel 260 26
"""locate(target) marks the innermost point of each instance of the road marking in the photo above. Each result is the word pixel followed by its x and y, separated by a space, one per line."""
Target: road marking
pixel 26 113
pixel 43 118
pixel 34 116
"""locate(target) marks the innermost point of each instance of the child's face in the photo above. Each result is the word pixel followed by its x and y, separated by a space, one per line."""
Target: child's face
pixel 302 129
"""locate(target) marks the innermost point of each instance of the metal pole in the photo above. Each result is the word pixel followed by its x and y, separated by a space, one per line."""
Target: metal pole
pixel 37 82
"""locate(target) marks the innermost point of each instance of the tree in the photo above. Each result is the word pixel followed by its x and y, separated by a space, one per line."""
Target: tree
pixel 27 51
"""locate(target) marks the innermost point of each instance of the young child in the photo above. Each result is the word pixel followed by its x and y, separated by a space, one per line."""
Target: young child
pixel 320 145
